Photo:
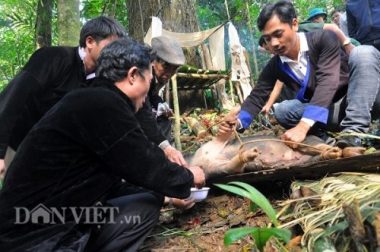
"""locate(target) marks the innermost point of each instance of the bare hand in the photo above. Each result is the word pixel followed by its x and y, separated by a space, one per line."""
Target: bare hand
pixel 227 127
pixel 2 168
pixel 175 156
pixel 183 203
pixel 266 109
pixel 199 176
pixel 296 134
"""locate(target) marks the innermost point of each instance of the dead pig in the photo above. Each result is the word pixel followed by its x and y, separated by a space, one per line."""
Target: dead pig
pixel 258 152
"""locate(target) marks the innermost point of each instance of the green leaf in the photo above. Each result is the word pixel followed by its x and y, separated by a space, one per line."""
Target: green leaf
pixel 261 235
pixel 259 199
pixel 235 234
pixel 324 244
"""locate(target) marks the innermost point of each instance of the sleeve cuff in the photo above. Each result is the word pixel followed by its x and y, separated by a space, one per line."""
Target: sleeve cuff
pixel 309 122
pixel 316 113
pixel 245 119
pixel 163 145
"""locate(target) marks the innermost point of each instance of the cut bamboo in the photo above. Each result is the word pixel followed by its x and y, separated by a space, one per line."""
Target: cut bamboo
pixel 177 121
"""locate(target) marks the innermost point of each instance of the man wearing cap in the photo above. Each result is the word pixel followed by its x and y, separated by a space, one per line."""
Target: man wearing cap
pixel 169 57
pixel 317 15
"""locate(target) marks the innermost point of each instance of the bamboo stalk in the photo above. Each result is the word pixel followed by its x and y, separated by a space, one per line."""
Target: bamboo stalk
pixel 177 121
pixel 202 76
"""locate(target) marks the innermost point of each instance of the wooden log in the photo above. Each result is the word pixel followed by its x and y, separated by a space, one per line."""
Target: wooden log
pixel 318 169
pixel 202 76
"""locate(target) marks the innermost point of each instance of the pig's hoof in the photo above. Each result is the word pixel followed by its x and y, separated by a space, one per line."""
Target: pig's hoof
pixel 331 153
pixel 248 155
pixel 353 151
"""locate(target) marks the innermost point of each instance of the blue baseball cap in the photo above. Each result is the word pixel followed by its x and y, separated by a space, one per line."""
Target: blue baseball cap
pixel 315 12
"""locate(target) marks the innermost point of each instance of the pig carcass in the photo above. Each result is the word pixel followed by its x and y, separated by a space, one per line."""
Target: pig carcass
pixel 218 157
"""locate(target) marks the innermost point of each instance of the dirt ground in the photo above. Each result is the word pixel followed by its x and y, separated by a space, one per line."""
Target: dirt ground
pixel 202 228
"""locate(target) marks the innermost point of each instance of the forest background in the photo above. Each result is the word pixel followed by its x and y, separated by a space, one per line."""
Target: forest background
pixel 29 24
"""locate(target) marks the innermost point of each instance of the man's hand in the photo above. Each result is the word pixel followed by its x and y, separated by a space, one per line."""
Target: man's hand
pixel 164 109
pixel 2 168
pixel 180 203
pixel 266 109
pixel 175 156
pixel 228 125
pixel 296 134
pixel 199 176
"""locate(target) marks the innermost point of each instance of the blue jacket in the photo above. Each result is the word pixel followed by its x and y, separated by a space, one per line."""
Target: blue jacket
pixel 363 20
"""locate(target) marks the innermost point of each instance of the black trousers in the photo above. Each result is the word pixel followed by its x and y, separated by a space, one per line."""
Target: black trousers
pixel 138 214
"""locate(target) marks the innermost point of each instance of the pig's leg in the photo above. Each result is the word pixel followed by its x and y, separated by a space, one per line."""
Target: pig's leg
pixel 226 166
pixel 325 151
pixel 315 146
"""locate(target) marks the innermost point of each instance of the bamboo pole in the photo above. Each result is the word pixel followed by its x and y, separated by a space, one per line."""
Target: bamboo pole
pixel 253 43
pixel 177 118
pixel 202 76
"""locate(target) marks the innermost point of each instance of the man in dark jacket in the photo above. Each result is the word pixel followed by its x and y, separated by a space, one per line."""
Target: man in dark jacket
pixel 50 73
pixel 169 57
pixel 312 64
pixel 315 66
pixel 363 21
pixel 73 184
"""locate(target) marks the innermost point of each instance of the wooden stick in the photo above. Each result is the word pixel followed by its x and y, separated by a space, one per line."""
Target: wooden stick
pixel 177 122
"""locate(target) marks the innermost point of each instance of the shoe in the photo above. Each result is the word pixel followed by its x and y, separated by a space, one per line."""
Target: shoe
pixel 348 141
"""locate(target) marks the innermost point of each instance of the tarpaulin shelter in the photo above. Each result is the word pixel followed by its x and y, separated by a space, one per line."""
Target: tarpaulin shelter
pixel 214 60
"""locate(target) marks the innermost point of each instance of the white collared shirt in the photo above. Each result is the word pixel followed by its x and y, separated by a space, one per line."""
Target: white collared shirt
pixel 299 67
pixel 82 55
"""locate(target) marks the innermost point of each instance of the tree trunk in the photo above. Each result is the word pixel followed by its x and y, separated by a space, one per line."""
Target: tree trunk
pixel 68 22
pixel 43 23
pixel 176 16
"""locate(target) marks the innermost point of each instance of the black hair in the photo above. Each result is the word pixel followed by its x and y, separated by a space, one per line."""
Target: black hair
pixel 101 28
pixel 283 9
pixel 262 41
pixel 119 56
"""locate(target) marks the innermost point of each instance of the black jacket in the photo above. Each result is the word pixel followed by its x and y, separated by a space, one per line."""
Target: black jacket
pixel 50 73
pixel 75 155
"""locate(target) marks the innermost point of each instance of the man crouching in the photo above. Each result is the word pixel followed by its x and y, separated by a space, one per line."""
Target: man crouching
pixel 86 177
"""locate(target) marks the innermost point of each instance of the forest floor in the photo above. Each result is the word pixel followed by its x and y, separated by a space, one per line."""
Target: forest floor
pixel 202 227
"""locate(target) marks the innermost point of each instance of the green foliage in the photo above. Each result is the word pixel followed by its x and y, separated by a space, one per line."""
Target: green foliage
pixel 16 36
pixel 260 235
pixel 113 8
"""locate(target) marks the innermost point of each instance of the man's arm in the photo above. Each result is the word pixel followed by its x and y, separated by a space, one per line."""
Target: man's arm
pixel 345 42
pixel 273 97
pixel 44 66
pixel 149 125
pixel 253 104
pixel 12 102
pixel 125 150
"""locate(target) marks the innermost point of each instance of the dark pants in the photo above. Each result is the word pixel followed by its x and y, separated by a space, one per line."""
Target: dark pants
pixel 138 213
